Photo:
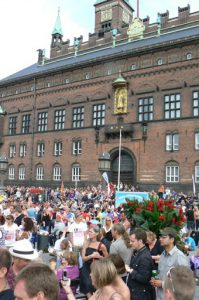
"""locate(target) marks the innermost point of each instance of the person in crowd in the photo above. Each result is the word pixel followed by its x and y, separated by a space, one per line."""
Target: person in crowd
pixel 190 243
pixel 11 231
pixel 45 220
pixel 190 219
pixel 2 232
pixel 5 263
pixel 196 217
pixel 22 254
pixel 124 221
pixel 155 248
pixel 104 239
pixel 161 191
pixel 69 264
pixel 179 284
pixel 141 266
pixel 108 228
pixel 93 249
pixel 77 232
pixel 19 215
pixel 36 281
pixel 25 230
pixel 122 274
pixel 171 257
pixel 121 244
pixel 31 211
pixel 59 226
pixel 103 275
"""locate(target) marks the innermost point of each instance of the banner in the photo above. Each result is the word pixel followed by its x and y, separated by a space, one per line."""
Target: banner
pixel 105 176
pixel 122 196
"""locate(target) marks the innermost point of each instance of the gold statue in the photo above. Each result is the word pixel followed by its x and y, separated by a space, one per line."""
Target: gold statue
pixel 120 103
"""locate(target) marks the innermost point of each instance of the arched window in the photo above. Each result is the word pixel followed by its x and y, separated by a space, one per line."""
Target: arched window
pixel 197 172
pixel 11 172
pixel 172 171
pixel 21 172
pixel 76 173
pixel 56 172
pixel 39 172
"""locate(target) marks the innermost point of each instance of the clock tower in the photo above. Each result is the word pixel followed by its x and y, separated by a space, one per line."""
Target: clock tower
pixel 111 14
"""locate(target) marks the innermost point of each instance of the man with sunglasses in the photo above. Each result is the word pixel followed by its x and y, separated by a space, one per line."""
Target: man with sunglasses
pixel 171 257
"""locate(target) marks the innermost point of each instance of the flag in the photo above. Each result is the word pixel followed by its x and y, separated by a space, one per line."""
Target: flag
pixel 194 186
pixel 105 176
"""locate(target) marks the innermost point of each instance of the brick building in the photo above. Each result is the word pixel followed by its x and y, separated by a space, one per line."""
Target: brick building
pixel 131 76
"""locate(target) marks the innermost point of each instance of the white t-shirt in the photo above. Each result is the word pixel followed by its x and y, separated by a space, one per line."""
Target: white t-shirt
pixel 78 230
pixel 11 235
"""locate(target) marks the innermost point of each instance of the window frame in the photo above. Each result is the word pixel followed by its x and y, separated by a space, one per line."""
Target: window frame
pixel 174 172
pixel 25 124
pixel 21 172
pixel 195 107
pixel 145 108
pixel 99 114
pixel 78 117
pixel 40 149
pixel 42 121
pixel 12 125
pixel 12 150
pixel 39 173
pixel 59 119
pixel 197 140
pixel 11 175
pixel 172 140
pixel 58 148
pixel 22 150
pixel 170 102
pixel 57 173
pixel 76 173
pixel 197 172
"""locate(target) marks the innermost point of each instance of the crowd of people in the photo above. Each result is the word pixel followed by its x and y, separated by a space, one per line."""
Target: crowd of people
pixel 95 250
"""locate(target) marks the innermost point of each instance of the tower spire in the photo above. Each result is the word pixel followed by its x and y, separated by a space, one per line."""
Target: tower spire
pixel 58 27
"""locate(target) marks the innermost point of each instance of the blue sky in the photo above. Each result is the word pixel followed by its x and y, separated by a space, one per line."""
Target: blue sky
pixel 26 25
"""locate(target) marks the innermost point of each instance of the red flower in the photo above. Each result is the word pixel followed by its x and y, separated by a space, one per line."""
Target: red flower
pixel 149 208
pixel 137 210
pixel 160 208
pixel 161 218
pixel 173 220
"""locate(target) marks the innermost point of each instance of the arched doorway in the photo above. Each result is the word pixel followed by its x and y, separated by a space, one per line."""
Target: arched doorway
pixel 127 167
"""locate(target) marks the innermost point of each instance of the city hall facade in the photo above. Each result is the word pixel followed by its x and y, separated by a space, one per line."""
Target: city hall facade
pixel 133 84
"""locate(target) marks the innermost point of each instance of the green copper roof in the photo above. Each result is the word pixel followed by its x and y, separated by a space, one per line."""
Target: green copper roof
pixel 119 80
pixel 58 27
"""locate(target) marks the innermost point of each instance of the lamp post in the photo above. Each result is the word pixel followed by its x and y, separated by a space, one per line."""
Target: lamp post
pixel 104 166
pixel 3 169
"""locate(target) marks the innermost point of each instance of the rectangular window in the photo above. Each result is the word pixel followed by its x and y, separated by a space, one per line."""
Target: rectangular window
pixel 195 97
pixel 197 140
pixel 56 173
pixel 76 173
pixel 78 117
pixel 59 119
pixel 11 173
pixel 77 147
pixel 98 115
pixel 12 125
pixel 172 174
pixel 145 109
pixel 172 142
pixel 21 173
pixel 25 124
pixel 39 173
pixel 40 149
pixel 42 121
pixel 22 150
pixel 172 105
pixel 12 151
pixel 58 148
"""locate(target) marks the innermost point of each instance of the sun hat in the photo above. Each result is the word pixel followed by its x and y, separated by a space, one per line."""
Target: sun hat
pixel 24 249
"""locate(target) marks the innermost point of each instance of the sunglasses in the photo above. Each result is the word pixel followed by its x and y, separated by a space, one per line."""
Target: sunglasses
pixel 171 280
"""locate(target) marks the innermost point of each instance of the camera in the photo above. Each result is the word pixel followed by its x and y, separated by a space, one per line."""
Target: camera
pixel 64 275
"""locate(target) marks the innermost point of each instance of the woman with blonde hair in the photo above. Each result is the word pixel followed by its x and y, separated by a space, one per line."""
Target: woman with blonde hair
pixel 103 274
pixel 121 244
pixel 93 249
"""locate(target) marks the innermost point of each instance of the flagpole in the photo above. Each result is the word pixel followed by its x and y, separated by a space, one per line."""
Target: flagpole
pixel 119 161
pixel 138 8
pixel 194 186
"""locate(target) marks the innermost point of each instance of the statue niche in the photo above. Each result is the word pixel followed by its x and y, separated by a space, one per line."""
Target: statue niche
pixel 120 102
pixel 120 95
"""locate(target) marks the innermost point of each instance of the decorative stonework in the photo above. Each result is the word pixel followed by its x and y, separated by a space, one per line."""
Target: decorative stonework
pixel 136 29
